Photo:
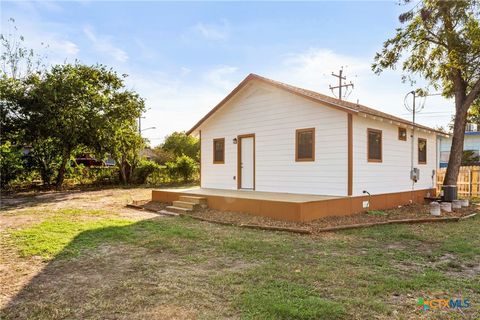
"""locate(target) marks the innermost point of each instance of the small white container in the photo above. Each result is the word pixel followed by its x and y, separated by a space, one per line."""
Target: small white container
pixel 456 204
pixel 446 206
pixel 435 209
pixel 464 202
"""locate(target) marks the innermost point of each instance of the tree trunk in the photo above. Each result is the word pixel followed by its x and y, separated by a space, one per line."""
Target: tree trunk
pixel 121 167
pixel 61 170
pixel 456 150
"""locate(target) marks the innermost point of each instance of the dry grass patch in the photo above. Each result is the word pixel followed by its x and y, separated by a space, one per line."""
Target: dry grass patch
pixel 80 263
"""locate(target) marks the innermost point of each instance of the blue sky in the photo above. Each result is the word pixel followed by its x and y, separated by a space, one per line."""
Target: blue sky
pixel 184 57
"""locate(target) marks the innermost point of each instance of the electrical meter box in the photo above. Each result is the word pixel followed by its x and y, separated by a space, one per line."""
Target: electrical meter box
pixel 415 174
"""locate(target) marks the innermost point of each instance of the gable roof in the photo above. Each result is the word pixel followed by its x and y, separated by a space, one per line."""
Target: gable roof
pixel 343 105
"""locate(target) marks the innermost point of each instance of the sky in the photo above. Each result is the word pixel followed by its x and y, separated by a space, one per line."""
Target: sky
pixel 185 57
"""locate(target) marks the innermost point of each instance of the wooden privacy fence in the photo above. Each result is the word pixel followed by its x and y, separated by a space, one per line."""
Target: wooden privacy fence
pixel 468 181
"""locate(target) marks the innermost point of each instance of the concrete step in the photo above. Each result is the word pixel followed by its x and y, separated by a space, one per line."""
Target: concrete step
pixel 193 199
pixel 187 205
pixel 178 209
pixel 168 213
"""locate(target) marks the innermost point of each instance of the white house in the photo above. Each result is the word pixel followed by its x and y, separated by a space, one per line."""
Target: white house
pixel 470 143
pixel 270 137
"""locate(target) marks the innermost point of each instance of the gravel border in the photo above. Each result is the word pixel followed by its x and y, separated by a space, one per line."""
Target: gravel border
pixel 262 223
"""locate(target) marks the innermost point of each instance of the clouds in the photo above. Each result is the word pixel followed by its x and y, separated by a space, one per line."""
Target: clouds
pixel 214 32
pixel 219 76
pixel 40 36
pixel 312 68
pixel 103 44
pixel 176 102
pixel 184 58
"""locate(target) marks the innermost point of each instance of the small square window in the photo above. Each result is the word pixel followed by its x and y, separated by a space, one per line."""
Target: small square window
pixel 219 151
pixel 402 134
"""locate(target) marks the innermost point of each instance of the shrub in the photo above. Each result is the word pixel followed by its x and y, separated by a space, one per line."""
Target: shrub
pixel 184 167
pixel 79 174
pixel 143 170
pixel 162 156
pixel 11 163
pixel 44 159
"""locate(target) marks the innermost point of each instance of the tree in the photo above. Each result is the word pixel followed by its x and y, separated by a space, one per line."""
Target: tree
pixel 180 144
pixel 17 61
pixel 124 145
pixel 76 105
pixel 442 43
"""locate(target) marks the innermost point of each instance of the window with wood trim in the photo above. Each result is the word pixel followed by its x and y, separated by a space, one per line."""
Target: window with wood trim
pixel 402 134
pixel 422 151
pixel 305 144
pixel 219 150
pixel 374 145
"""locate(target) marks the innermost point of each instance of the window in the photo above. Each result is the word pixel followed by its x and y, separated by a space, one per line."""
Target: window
pixel 422 151
pixel 219 150
pixel 305 145
pixel 402 134
pixel 374 145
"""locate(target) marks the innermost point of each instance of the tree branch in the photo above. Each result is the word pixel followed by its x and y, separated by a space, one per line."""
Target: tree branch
pixel 435 39
pixel 474 94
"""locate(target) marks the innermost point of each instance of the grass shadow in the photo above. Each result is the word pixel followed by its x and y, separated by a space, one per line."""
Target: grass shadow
pixel 108 271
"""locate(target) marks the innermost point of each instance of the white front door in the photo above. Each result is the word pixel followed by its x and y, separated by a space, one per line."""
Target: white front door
pixel 247 163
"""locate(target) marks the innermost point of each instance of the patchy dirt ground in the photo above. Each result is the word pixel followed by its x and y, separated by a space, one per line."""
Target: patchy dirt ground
pixel 14 209
pixel 24 209
pixel 83 255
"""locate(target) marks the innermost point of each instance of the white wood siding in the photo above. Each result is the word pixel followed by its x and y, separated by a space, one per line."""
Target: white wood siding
pixel 273 116
pixel 393 173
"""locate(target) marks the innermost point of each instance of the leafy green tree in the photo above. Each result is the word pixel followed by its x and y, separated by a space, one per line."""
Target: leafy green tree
pixel 75 105
pixel 17 62
pixel 123 145
pixel 441 42
pixel 11 163
pixel 179 143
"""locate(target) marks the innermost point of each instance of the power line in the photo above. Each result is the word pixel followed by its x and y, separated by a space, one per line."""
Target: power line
pixel 340 84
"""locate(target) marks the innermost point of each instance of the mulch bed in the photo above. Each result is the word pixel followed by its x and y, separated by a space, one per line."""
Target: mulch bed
pixel 414 213
pixel 408 212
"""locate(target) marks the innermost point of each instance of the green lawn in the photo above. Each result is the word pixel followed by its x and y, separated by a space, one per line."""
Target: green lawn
pixel 99 265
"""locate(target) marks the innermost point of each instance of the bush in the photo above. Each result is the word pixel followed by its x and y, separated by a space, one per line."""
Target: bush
pixel 143 170
pixel 162 156
pixel 44 159
pixel 79 174
pixel 11 163
pixel 184 167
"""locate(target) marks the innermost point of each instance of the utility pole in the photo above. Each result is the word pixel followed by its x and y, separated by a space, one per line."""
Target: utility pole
pixel 341 85
pixel 140 124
